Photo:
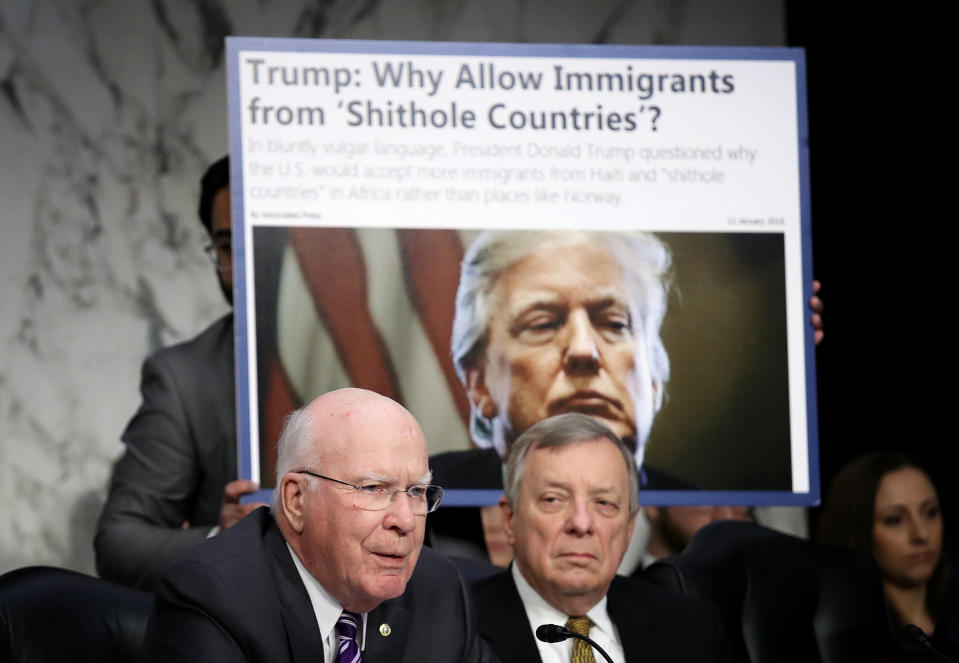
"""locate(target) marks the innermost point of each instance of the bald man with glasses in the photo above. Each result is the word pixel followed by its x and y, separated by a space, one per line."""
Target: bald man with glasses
pixel 335 570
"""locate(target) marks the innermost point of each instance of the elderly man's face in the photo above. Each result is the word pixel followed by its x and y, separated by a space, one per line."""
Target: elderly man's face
pixel 365 557
pixel 562 339
pixel 571 525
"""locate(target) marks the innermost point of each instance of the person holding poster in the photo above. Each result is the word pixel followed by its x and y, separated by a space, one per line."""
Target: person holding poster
pixel 176 483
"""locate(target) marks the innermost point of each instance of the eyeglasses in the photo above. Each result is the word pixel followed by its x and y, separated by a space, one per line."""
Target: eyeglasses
pixel 220 252
pixel 424 498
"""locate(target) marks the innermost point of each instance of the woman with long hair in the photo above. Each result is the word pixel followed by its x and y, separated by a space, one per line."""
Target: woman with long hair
pixel 883 504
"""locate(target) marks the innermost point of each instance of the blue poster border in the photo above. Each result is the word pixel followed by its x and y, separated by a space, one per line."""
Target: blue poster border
pixel 465 498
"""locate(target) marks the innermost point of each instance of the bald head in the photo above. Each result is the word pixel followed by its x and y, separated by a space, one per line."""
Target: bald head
pixel 342 442
pixel 325 427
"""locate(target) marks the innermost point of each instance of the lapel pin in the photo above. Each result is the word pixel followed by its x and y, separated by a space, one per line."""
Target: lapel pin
pixel 385 630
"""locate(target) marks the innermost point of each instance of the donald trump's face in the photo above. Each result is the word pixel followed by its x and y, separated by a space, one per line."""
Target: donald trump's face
pixel 563 337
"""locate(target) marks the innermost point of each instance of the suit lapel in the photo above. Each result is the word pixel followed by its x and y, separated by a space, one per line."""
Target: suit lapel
pixel 303 635
pixel 222 419
pixel 635 621
pixel 502 621
pixel 387 633
pixel 223 355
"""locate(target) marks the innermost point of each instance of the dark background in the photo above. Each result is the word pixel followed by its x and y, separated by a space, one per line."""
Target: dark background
pixel 725 421
pixel 881 241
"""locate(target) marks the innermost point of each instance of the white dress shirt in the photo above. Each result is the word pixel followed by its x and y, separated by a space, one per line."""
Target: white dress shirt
pixel 539 612
pixel 327 611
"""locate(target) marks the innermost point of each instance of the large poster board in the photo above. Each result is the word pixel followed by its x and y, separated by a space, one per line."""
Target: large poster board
pixel 364 172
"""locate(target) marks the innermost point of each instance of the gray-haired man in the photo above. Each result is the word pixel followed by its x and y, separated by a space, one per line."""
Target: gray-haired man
pixel 569 510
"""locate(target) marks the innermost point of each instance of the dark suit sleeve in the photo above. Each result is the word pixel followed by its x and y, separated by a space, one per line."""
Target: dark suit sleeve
pixel 185 628
pixel 656 625
pixel 153 492
pixel 180 453
pixel 455 624
pixel 476 649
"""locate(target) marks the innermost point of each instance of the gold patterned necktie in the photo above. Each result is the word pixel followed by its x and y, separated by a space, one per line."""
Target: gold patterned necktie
pixel 582 651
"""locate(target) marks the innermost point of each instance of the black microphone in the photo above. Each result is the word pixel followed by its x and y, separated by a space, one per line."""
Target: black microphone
pixel 553 633
pixel 556 633
pixel 917 636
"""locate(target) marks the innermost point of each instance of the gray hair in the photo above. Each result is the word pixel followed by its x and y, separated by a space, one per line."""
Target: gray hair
pixel 558 432
pixel 294 450
pixel 646 263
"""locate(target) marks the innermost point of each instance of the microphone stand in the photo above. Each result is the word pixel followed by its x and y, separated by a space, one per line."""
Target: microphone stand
pixel 557 633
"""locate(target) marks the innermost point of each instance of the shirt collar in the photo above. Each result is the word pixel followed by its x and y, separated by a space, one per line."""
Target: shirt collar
pixel 538 611
pixel 326 609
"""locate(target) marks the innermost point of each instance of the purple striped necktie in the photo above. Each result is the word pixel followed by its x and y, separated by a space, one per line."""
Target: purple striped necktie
pixel 347 647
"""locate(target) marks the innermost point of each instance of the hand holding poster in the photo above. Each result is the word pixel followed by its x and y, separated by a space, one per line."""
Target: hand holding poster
pixel 643 258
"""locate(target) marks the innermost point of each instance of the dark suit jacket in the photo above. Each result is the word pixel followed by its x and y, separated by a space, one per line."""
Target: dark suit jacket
pixel 654 625
pixel 238 597
pixel 180 453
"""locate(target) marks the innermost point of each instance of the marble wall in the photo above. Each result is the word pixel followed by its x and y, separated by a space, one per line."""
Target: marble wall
pixel 109 112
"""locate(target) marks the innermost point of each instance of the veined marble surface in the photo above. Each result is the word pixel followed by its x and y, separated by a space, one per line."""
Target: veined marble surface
pixel 110 110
